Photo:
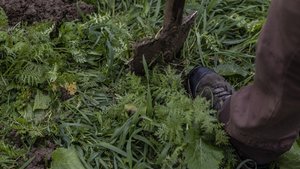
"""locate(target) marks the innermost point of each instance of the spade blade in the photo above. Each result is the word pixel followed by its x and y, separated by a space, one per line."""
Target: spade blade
pixel 169 41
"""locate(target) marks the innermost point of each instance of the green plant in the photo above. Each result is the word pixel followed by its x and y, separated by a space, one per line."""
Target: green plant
pixel 76 89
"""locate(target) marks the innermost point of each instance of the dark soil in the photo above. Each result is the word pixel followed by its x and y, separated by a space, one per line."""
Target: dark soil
pixel 14 139
pixel 42 151
pixel 32 11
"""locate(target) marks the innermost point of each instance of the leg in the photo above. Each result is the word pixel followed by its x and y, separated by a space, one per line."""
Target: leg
pixel 263 119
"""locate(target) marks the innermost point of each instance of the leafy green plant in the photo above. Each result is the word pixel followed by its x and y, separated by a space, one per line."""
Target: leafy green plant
pixel 65 159
pixel 291 158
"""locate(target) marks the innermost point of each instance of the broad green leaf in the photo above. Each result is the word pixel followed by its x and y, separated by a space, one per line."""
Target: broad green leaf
pixel 291 159
pixel 41 101
pixel 203 156
pixel 230 69
pixel 199 154
pixel 65 159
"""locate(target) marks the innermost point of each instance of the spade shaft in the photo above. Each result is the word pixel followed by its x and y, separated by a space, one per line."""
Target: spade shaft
pixel 169 41
pixel 173 13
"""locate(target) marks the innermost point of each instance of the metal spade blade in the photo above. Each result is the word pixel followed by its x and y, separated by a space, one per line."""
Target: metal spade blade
pixel 169 41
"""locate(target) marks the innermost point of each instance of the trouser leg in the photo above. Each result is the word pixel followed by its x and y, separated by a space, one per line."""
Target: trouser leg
pixel 263 119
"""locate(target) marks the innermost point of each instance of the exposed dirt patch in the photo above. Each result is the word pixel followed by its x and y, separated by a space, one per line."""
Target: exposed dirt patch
pixel 14 139
pixel 37 10
pixel 42 151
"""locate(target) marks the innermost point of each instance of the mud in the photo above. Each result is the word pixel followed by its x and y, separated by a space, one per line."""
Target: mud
pixel 32 11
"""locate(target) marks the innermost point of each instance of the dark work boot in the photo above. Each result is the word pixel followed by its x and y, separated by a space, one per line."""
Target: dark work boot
pixel 207 83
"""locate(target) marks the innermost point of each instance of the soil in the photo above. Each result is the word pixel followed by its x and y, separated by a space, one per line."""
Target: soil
pixel 14 138
pixel 41 150
pixel 31 11
pixel 42 154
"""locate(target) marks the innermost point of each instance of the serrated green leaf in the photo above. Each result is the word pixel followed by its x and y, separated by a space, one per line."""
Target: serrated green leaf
pixel 41 101
pixel 65 159
pixel 199 154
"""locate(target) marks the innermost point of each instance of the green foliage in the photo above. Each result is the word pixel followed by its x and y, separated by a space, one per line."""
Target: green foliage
pixel 201 155
pixel 41 101
pixel 126 136
pixel 66 159
pixel 76 88
pixel 291 158
pixel 230 69
pixel 226 33
pixel 3 18
pixel 8 153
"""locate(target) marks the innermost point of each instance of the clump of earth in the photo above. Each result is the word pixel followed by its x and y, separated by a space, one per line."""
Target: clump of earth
pixel 32 11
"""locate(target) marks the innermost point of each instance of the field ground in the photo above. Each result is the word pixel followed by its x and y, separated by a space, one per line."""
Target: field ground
pixel 68 99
